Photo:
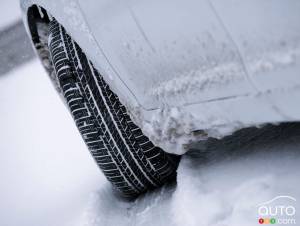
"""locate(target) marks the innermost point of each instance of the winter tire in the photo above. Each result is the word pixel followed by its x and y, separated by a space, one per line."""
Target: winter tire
pixel 128 158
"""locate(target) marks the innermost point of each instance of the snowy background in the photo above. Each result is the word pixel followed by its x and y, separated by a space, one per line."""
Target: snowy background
pixel 47 176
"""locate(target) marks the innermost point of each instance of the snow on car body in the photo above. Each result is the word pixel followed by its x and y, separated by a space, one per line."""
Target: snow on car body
pixel 188 70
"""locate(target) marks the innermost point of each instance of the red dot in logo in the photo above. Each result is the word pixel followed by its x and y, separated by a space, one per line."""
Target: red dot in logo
pixel 261 221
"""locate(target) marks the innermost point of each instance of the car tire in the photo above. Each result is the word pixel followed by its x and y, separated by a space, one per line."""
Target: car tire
pixel 129 160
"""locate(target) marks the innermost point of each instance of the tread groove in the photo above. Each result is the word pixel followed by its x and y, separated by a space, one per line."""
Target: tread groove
pixel 128 159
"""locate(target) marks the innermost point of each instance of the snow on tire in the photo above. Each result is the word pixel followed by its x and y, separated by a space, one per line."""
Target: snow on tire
pixel 128 159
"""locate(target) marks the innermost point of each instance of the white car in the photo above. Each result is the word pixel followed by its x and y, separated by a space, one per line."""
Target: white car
pixel 145 79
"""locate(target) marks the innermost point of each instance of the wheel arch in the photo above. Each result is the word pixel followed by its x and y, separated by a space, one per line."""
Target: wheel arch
pixel 68 13
pixel 41 12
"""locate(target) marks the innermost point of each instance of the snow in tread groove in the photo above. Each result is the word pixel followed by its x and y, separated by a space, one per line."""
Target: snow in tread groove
pixel 60 32
pixel 91 96
pixel 100 90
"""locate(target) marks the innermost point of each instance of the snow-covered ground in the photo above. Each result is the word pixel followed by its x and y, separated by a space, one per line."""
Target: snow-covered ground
pixel 10 12
pixel 48 177
pixel 45 169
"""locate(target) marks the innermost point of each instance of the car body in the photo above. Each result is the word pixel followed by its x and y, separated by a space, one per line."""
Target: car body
pixel 189 70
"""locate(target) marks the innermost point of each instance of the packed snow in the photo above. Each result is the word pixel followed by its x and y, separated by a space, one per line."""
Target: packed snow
pixel 48 177
pixel 172 126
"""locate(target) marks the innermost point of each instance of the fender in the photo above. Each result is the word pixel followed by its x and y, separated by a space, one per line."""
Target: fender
pixel 181 67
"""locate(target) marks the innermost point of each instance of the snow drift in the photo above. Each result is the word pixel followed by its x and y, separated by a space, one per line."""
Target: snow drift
pixel 48 177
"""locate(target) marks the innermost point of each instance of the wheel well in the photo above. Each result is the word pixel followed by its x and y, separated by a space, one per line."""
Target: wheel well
pixel 36 14
pixel 38 23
